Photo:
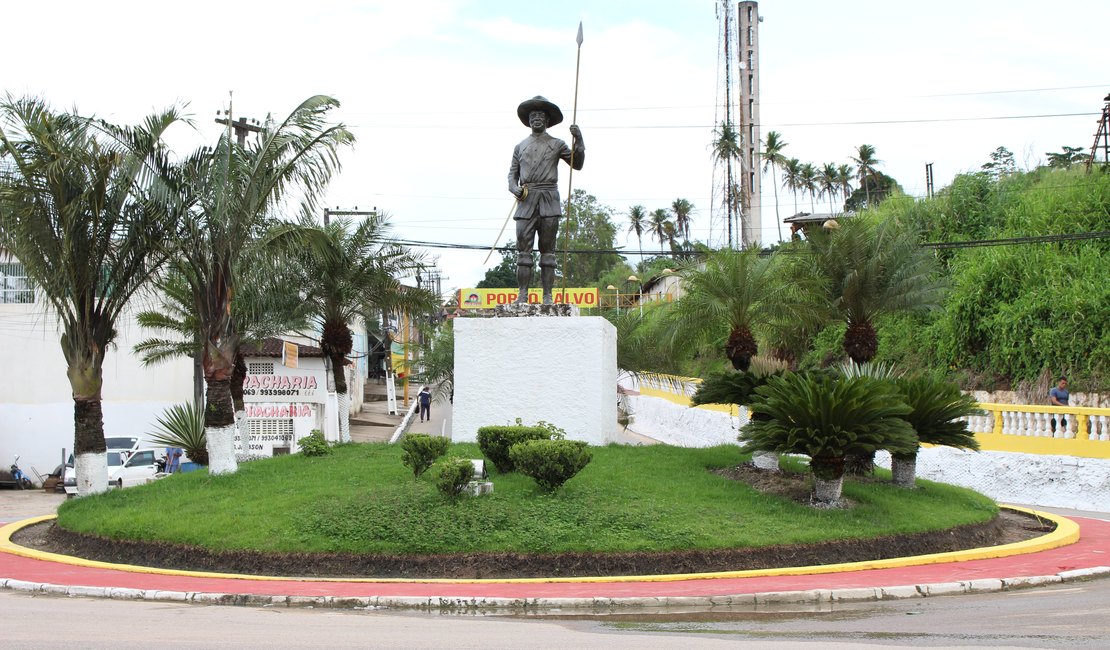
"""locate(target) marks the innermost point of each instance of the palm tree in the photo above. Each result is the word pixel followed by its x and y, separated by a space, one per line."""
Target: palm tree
pixel 844 174
pixel 351 273
pixel 726 151
pixel 657 226
pixel 227 194
pixel 826 417
pixel 865 164
pixel 938 415
pixel 792 178
pixel 773 159
pixel 871 267
pixel 671 233
pixel 808 182
pixel 830 183
pixel 681 208
pixel 265 307
pixel 726 299
pixel 80 208
pixel 637 217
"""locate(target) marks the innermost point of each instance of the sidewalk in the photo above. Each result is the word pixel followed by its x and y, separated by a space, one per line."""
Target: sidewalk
pixel 28 570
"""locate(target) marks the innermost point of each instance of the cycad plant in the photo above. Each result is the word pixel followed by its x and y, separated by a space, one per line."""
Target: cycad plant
pixel 826 417
pixel 738 388
pixel 938 409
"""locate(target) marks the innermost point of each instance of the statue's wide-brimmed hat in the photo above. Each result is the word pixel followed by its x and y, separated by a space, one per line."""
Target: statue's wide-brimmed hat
pixel 537 103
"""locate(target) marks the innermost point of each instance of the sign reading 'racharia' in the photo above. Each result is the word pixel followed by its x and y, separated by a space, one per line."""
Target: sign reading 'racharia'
pixel 490 298
pixel 281 388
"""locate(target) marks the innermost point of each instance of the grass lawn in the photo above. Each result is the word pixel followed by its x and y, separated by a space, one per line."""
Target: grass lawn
pixel 361 499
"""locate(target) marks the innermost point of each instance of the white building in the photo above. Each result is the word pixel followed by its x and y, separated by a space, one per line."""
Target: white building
pixel 36 405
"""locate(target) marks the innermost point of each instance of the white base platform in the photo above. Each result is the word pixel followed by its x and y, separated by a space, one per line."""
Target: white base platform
pixel 561 370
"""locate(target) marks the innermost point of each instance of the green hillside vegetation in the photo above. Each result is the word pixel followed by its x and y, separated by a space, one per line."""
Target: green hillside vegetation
pixel 362 499
pixel 1007 315
pixel 1013 312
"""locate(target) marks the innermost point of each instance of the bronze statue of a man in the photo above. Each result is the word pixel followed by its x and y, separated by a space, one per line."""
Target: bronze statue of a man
pixel 533 180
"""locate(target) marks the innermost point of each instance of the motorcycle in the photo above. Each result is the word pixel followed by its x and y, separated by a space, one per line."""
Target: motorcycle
pixel 21 480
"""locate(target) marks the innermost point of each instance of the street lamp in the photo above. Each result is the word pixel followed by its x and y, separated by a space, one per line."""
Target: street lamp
pixel 616 297
pixel 633 278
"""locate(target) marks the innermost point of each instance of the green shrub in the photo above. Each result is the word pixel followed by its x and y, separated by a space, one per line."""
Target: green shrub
pixel 496 442
pixel 550 462
pixel 420 450
pixel 182 425
pixel 314 444
pixel 454 476
pixel 827 417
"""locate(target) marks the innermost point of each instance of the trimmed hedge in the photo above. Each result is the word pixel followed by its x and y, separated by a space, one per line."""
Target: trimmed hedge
pixel 455 474
pixel 550 462
pixel 420 450
pixel 496 441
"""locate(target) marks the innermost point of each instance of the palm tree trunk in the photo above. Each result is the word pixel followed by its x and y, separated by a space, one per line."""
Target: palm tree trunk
pixel 904 470
pixel 740 348
pixel 342 397
pixel 827 491
pixel 219 410
pixel 861 343
pixel 86 377
pixel 828 479
pixel 775 184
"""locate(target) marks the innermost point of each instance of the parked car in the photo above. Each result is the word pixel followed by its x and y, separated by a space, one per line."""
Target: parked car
pixel 115 444
pixel 140 466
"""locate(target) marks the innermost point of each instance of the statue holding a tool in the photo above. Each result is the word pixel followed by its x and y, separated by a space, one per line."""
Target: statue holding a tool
pixel 533 180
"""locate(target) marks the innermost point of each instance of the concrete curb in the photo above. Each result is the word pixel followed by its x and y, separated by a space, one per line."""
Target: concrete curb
pixel 447 604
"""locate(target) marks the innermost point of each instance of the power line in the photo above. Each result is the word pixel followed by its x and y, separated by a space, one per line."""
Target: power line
pixel 974 243
pixel 716 105
pixel 623 127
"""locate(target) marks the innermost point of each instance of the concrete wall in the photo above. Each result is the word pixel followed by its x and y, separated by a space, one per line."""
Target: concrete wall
pixel 1057 481
pixel 561 370
pixel 1023 478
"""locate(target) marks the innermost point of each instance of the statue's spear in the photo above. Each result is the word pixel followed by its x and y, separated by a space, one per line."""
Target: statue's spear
pixel 570 175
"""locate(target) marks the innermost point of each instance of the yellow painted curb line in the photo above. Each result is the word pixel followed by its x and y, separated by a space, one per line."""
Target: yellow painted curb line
pixel 1067 532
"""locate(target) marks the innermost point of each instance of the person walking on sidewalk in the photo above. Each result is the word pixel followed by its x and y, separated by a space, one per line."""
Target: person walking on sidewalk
pixel 1059 397
pixel 425 398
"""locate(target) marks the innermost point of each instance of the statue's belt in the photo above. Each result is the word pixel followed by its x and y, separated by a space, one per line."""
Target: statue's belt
pixel 540 186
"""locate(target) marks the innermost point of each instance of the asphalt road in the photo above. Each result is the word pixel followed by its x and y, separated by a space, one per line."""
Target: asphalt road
pixel 1069 616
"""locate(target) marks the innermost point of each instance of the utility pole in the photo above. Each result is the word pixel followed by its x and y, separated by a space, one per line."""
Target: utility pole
pixel 328 214
pixel 242 126
pixel 929 180
pixel 1103 133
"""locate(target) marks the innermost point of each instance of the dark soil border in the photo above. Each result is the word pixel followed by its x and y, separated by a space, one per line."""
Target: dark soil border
pixel 1008 527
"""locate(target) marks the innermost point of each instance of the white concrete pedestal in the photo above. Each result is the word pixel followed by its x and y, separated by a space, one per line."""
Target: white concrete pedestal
pixel 561 370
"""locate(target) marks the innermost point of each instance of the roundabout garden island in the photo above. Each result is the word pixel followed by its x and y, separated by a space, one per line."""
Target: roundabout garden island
pixel 360 511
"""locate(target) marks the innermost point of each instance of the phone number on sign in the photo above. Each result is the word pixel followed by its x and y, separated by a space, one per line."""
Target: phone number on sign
pixel 273 391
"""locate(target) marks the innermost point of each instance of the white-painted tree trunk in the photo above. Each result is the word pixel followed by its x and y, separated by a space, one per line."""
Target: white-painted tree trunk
pixel 903 471
pixel 827 491
pixel 344 401
pixel 221 450
pixel 92 473
pixel 766 460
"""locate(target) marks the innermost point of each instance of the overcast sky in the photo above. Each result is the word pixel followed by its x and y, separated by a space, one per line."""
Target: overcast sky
pixel 430 89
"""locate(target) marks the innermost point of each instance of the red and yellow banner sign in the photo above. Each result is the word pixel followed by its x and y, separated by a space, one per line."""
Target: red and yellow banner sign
pixel 490 298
